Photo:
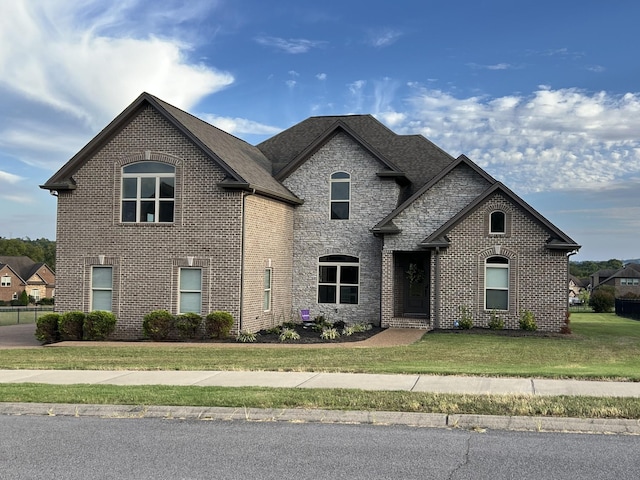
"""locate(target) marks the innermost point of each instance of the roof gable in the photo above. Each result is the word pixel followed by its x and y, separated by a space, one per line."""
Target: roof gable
pixel 245 166
pixel 558 240
pixel 461 160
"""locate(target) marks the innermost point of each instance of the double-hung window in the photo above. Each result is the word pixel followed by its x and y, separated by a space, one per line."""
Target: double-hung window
pixel 148 192
pixel 340 195
pixel 497 283
pixel 190 300
pixel 266 298
pixel 5 281
pixel 101 288
pixel 338 279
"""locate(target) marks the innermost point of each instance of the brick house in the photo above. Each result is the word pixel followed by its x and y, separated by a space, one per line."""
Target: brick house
pixel 625 281
pixel 338 215
pixel 20 273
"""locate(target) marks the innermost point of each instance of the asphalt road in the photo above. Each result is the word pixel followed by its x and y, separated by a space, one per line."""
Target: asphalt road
pixel 97 448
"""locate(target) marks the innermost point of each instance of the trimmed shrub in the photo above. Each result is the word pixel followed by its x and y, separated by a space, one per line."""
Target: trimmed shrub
pixel 602 300
pixel 70 325
pixel 528 321
pixel 218 324
pixel 495 322
pixel 188 324
pixel 47 328
pixel 24 298
pixel 98 325
pixel 157 325
pixel 466 319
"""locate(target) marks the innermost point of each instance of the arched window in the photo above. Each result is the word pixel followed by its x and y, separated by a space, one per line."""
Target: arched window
pixel 338 279
pixel 340 195
pixel 148 192
pixel 498 222
pixel 496 281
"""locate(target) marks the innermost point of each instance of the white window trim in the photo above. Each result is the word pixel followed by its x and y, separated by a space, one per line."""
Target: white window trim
pixel 5 281
pixel 267 290
pixel 101 289
pixel 181 290
pixel 506 266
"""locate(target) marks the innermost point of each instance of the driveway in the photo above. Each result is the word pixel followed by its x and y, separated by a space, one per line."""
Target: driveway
pixel 18 336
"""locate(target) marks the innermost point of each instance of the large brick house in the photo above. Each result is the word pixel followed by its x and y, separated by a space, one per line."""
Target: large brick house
pixel 20 273
pixel 338 215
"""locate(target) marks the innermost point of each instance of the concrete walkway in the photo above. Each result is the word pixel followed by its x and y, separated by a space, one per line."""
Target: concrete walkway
pixel 360 381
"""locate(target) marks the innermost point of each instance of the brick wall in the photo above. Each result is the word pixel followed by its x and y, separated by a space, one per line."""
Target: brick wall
pixel 537 276
pixel 315 234
pixel 206 233
pixel 268 244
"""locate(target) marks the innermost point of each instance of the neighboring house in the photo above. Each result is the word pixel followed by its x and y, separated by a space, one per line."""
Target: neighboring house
pixel 338 215
pixel 625 280
pixel 18 274
pixel 576 287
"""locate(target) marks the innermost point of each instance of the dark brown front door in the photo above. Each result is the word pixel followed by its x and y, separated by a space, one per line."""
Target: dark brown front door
pixel 416 275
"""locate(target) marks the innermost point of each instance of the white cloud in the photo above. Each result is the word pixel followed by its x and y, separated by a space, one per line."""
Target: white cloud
pixel 383 37
pixel 291 45
pixel 291 83
pixel 44 46
pixel 239 126
pixel 321 76
pixel 10 178
pixel 496 66
pixel 548 140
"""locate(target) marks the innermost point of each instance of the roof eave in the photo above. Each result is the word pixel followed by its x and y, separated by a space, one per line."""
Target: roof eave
pixel 247 187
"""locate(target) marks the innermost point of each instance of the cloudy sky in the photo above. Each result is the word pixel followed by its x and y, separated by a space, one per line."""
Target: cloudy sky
pixel 544 95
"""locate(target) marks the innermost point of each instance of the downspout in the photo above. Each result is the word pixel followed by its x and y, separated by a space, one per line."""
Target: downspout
pixel 436 316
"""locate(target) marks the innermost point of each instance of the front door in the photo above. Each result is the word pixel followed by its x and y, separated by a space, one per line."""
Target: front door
pixel 415 288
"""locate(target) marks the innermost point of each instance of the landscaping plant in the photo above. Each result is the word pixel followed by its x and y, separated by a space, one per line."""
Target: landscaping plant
pixel 157 325
pixel 70 325
pixel 47 328
pixel 218 324
pixel 98 325
pixel 188 325
pixel 528 321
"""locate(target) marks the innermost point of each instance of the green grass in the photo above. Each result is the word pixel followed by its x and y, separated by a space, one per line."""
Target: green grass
pixel 12 318
pixel 602 346
pixel 331 399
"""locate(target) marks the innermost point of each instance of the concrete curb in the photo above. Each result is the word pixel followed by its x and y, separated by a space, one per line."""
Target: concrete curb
pixel 477 423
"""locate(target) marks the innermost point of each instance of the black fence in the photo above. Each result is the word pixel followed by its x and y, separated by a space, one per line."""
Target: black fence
pixel 628 308
pixel 16 315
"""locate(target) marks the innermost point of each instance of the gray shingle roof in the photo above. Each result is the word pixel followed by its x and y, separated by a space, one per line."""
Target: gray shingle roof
pixel 418 158
pixel 22 265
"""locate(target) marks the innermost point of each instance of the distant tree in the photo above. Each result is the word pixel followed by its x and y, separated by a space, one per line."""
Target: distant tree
pixel 40 250
pixel 589 267
pixel 24 298
pixel 602 299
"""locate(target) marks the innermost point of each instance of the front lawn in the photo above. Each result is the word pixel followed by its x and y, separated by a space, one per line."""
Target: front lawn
pixel 601 346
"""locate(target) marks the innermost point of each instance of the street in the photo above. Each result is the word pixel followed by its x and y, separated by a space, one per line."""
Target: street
pixel 98 448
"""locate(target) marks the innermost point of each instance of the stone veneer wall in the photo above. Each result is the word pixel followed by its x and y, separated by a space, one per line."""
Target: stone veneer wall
pixel 146 258
pixel 315 234
pixel 268 244
pixel 420 219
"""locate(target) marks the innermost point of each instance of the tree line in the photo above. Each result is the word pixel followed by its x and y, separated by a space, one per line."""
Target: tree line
pixel 40 250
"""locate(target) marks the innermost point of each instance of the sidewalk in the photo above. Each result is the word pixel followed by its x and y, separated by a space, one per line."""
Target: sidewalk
pixel 360 381
pixel 413 383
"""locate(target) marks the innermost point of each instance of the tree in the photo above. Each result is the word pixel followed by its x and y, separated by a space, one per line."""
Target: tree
pixel 40 250
pixel 602 299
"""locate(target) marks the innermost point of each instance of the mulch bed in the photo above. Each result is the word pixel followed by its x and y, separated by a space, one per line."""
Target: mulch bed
pixel 309 335
pixel 503 333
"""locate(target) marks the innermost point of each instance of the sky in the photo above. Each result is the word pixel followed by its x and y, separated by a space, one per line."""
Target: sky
pixel 544 95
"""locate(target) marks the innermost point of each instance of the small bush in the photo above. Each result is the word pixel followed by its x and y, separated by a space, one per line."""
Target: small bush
pixel 47 327
pixel 157 325
pixel 602 300
pixel 188 325
pixel 339 325
pixel 47 301
pixel 218 324
pixel 495 322
pixel 246 337
pixel 329 334
pixel 275 330
pixel 98 325
pixel 24 298
pixel 70 325
pixel 466 319
pixel 348 331
pixel 528 321
pixel 566 329
pixel 289 334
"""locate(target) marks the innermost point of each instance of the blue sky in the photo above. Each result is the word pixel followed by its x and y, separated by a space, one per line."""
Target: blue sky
pixel 544 95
